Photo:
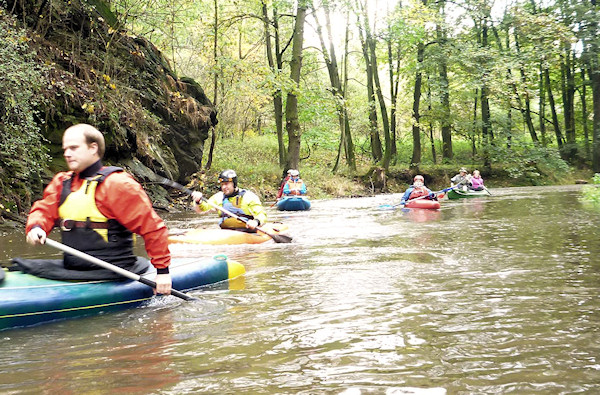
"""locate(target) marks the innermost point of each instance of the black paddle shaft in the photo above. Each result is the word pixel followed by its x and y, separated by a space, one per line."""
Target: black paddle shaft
pixel 176 185
pixel 174 292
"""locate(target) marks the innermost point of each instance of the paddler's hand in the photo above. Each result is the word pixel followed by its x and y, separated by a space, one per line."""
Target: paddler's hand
pixel 36 236
pixel 252 224
pixel 163 284
pixel 197 196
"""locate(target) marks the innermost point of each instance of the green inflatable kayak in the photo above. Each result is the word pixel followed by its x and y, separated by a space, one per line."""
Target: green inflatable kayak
pixel 469 193
pixel 26 299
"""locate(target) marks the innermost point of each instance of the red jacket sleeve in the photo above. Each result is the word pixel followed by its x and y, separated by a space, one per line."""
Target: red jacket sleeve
pixel 122 198
pixel 44 212
pixel 118 197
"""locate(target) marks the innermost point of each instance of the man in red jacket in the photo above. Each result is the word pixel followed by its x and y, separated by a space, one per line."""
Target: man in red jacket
pixel 98 208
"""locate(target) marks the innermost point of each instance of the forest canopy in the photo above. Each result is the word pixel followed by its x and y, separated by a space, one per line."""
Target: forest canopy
pixel 515 80
pixel 346 85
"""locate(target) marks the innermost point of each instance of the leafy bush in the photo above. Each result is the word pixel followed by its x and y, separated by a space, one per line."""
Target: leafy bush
pixel 529 163
pixel 591 193
pixel 22 153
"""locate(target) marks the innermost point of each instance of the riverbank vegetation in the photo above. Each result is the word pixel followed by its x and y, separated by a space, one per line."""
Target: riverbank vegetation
pixel 253 159
pixel 591 193
pixel 358 95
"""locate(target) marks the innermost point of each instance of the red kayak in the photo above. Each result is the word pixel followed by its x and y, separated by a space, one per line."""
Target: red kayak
pixel 423 203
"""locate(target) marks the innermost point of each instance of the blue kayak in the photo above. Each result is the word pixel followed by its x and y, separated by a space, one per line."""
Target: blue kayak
pixel 27 300
pixel 293 203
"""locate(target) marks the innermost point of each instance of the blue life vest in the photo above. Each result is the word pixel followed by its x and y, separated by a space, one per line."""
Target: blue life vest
pixel 234 204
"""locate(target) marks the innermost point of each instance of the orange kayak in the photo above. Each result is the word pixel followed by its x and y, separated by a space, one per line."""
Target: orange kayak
pixel 226 236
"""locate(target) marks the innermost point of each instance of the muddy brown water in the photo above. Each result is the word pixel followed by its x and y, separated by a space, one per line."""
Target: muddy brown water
pixel 487 295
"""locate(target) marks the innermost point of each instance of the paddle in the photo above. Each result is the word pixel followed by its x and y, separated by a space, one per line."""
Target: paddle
pixel 276 238
pixel 393 206
pixel 487 190
pixel 110 266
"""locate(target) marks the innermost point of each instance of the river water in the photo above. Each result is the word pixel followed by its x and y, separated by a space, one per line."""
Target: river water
pixel 488 295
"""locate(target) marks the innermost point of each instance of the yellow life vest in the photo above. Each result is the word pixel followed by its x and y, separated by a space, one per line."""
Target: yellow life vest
pixel 80 206
pixel 297 185
pixel 86 229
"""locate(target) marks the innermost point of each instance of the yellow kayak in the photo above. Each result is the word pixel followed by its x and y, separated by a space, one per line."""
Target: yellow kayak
pixel 226 236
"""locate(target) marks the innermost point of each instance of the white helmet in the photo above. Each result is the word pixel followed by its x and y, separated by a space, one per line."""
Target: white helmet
pixel 294 173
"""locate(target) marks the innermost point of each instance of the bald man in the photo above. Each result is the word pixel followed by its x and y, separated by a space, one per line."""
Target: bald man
pixel 98 208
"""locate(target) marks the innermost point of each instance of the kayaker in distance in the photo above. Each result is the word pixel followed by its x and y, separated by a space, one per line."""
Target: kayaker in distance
pixel 294 185
pixel 462 179
pixel 476 181
pixel 98 208
pixel 241 202
pixel 283 182
pixel 417 189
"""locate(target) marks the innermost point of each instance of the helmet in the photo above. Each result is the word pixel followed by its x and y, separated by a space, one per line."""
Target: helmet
pixel 419 177
pixel 294 173
pixel 228 175
pixel 462 170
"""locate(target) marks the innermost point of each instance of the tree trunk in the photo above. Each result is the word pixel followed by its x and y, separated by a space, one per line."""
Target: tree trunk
pixel 382 107
pixel 349 144
pixel 291 110
pixel 416 129
pixel 568 86
pixel 430 125
pixel 330 58
pixel 276 65
pixel 445 91
pixel 346 135
pixel 509 123
pixel 394 86
pixel 559 138
pixel 372 46
pixel 594 71
pixel 376 149
pixel 486 127
pixel 584 111
pixel 213 138
pixel 542 105
pixel 525 111
pixel 595 78
pixel 474 132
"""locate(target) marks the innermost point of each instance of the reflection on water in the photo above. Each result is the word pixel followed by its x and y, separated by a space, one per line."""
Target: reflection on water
pixel 421 215
pixel 486 295
pixel 131 357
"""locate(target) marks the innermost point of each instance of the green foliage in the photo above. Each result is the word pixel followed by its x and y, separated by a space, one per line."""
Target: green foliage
pixel 591 193
pixel 255 161
pixel 530 164
pixel 22 151
pixel 318 118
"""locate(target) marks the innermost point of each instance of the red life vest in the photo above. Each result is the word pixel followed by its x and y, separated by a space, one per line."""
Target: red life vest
pixel 280 192
pixel 418 192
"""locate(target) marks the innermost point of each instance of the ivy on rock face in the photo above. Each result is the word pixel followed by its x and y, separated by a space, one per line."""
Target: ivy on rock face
pixel 23 155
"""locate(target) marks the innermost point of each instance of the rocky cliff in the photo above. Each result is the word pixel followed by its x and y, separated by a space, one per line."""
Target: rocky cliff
pixel 67 62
